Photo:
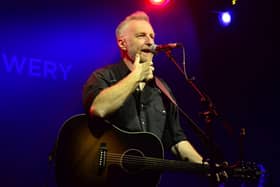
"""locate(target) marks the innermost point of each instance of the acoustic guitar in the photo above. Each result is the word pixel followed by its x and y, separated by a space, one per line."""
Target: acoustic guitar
pixel 93 153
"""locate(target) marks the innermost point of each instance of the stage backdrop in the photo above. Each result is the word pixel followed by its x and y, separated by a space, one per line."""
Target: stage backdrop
pixel 48 50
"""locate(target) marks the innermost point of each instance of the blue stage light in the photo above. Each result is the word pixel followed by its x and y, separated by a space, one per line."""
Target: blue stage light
pixel 225 18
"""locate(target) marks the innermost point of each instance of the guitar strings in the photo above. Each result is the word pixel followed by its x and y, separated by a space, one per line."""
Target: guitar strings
pixel 148 161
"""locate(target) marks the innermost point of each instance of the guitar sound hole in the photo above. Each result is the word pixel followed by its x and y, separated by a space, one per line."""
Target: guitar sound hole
pixel 133 160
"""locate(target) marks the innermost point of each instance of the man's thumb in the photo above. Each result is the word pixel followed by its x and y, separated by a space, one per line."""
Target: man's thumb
pixel 137 58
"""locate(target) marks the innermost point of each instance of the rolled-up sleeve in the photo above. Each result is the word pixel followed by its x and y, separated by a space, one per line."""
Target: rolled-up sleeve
pixel 94 85
pixel 173 131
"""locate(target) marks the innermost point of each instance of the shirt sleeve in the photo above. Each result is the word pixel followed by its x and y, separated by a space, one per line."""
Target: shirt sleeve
pixel 98 81
pixel 174 125
pixel 173 130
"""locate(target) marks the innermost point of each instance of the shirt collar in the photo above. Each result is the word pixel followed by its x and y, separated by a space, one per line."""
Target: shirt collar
pixel 123 69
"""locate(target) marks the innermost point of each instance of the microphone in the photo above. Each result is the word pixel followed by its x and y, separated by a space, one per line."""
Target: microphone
pixel 162 47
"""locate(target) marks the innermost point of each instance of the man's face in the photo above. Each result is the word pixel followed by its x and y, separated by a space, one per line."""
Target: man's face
pixel 138 35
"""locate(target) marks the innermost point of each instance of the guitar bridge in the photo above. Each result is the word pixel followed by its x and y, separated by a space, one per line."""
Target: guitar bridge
pixel 102 158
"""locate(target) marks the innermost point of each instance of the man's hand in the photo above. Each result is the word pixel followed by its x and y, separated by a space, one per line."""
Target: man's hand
pixel 218 174
pixel 186 151
pixel 143 70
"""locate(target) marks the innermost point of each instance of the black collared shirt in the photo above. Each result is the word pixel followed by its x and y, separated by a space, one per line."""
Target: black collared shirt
pixel 146 110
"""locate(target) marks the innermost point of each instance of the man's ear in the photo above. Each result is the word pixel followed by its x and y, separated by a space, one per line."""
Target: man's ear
pixel 122 44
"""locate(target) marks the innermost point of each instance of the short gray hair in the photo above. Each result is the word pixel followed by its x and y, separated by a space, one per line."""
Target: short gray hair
pixel 138 15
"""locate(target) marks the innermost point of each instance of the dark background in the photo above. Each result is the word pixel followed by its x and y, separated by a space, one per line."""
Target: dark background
pixel 234 65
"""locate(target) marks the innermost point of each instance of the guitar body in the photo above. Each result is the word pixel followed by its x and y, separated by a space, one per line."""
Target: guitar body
pixel 96 154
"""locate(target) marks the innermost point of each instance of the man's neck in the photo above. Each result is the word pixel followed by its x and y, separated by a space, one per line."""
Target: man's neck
pixel 128 63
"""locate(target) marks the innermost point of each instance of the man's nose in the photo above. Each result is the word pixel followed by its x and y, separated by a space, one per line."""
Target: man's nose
pixel 149 40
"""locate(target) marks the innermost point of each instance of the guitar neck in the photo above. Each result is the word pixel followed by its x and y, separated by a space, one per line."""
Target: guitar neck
pixel 174 165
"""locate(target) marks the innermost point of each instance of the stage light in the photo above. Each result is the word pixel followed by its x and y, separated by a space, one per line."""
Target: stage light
pixel 233 2
pixel 159 2
pixel 224 18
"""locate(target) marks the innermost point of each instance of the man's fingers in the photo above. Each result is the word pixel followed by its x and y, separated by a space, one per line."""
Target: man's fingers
pixel 137 58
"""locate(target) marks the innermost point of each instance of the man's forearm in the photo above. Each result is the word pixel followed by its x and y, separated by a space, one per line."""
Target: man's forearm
pixel 112 98
pixel 187 152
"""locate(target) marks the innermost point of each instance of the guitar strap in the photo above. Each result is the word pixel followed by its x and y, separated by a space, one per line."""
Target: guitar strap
pixel 163 88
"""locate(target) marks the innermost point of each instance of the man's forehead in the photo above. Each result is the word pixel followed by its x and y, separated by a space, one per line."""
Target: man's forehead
pixel 140 26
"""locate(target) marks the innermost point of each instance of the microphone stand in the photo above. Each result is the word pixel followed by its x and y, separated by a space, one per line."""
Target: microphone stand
pixel 209 114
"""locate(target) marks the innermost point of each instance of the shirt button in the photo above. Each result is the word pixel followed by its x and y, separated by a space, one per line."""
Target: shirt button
pixel 143 123
pixel 163 111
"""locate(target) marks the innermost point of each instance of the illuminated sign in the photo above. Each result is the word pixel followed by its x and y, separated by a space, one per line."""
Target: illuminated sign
pixel 34 67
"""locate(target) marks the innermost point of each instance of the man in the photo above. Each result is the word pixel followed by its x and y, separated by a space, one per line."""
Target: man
pixel 126 93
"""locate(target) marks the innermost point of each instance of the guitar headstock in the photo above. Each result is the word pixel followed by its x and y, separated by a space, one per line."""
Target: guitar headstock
pixel 248 171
